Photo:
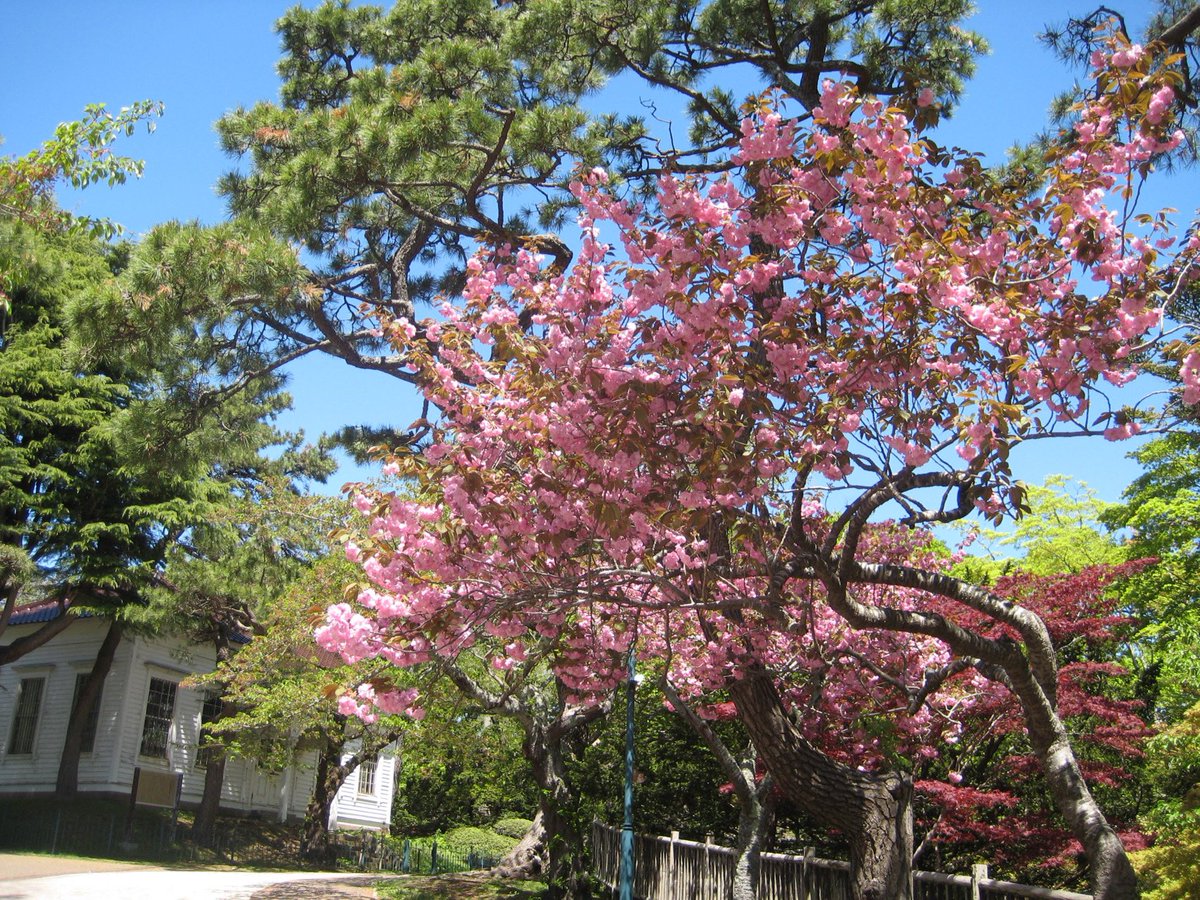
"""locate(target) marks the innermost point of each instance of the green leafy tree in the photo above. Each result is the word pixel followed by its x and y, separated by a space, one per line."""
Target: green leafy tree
pixel 223 577
pixel 1063 530
pixel 461 767
pixel 85 526
pixel 406 137
pixel 79 154
pixel 86 515
pixel 102 471
pixel 1171 869
pixel 280 698
pixel 678 781
pixel 1161 508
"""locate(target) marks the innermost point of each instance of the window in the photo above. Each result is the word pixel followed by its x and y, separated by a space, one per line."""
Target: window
pixel 366 777
pixel 24 727
pixel 206 746
pixel 87 743
pixel 160 708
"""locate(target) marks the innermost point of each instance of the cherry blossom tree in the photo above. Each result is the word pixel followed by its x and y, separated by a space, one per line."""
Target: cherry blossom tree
pixel 686 439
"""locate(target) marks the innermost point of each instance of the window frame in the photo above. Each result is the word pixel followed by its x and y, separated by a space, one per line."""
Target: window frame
pixel 24 722
pixel 368 780
pixel 161 724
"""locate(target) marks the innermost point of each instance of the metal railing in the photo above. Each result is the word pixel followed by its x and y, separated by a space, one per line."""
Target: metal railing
pixel 109 831
pixel 667 868
pixel 90 833
pixel 371 852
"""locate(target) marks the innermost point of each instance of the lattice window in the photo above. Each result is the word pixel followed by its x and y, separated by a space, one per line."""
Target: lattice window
pixel 160 709
pixel 366 777
pixel 24 727
pixel 87 743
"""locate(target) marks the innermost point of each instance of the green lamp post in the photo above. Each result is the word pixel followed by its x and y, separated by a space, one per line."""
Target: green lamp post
pixel 626 875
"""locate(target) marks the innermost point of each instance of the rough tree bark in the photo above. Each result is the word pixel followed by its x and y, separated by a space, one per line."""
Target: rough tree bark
pixel 527 858
pixel 566 874
pixel 754 823
pixel 754 797
pixel 873 811
pixel 331 774
pixel 204 826
pixel 68 765
pixel 1110 872
pixel 205 823
pixel 554 845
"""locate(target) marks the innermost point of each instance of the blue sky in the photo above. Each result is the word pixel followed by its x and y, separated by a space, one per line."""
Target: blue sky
pixel 204 58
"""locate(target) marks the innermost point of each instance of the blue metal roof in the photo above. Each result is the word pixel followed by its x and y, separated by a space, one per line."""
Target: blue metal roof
pixel 37 613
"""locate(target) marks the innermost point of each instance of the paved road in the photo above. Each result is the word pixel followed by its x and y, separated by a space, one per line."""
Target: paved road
pixel 33 878
pixel 36 865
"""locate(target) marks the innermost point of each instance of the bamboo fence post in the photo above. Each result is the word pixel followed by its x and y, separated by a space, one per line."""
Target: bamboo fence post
pixel 979 872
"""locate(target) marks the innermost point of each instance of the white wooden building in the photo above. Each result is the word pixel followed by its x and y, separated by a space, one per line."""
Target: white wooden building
pixel 146 719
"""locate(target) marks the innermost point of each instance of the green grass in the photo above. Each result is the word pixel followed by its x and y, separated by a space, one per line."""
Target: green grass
pixel 458 887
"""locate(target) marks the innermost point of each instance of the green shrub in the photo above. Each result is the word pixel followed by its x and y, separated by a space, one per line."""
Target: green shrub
pixel 1170 871
pixel 481 840
pixel 457 843
pixel 512 827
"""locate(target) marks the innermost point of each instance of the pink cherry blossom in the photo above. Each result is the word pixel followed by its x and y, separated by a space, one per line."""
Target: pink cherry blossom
pixel 659 447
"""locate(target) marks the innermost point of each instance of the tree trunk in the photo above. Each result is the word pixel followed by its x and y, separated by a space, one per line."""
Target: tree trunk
pixel 881 853
pixel 1111 875
pixel 68 764
pixel 566 873
pixel 205 823
pixel 315 846
pixel 754 822
pixel 527 858
pixel 1030 671
pixel 10 590
pixel 873 811
pixel 554 840
pixel 754 798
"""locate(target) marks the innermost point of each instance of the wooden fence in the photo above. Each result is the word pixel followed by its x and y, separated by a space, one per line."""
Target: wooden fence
pixel 667 868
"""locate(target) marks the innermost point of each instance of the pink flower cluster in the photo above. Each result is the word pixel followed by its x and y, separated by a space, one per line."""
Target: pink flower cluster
pixel 619 443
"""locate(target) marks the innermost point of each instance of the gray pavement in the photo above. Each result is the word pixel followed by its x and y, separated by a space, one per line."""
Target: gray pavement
pixel 27 877
pixel 39 865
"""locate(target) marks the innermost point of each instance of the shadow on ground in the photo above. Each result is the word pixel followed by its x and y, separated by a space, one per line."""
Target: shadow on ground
pixel 460 887
pixel 355 887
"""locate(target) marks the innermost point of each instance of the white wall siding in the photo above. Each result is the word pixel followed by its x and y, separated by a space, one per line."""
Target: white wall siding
pixel 171 660
pixel 374 810
pixel 109 767
pixel 58 662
